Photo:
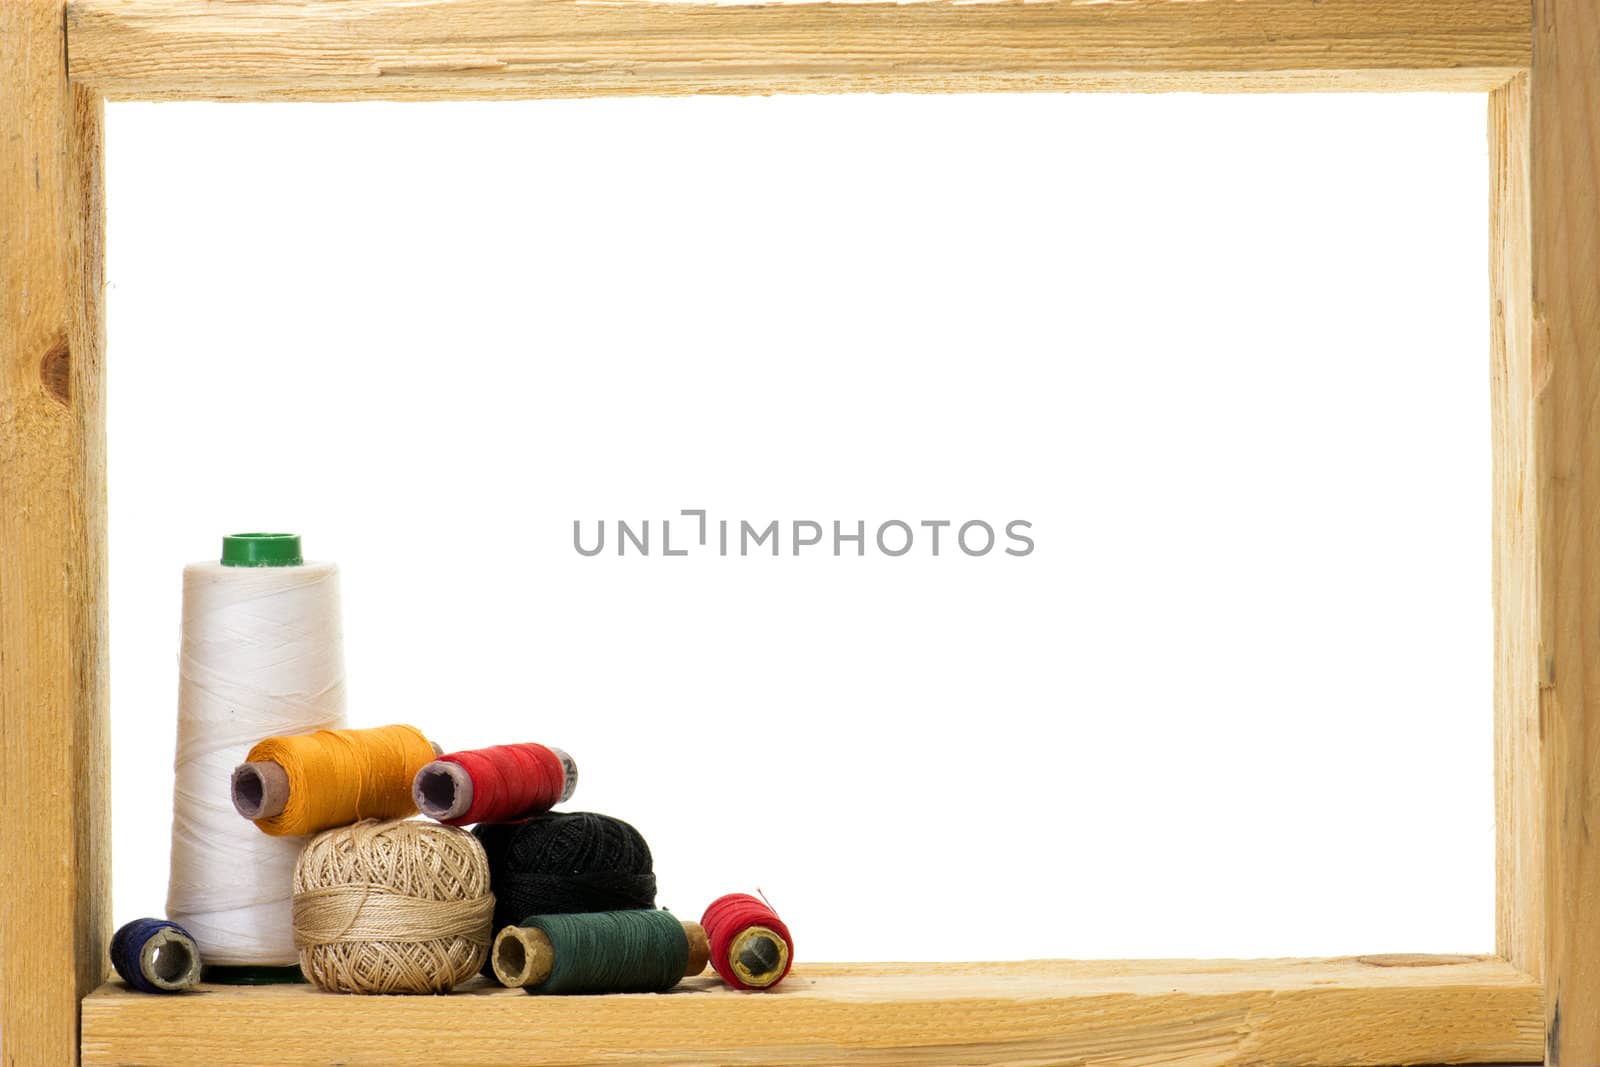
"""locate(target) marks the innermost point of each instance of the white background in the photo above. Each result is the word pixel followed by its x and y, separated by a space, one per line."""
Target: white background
pixel 1228 355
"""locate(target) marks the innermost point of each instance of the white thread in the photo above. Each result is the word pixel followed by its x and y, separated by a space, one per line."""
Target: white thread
pixel 261 656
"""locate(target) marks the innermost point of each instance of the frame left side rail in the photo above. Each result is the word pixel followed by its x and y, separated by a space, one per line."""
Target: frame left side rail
pixel 54 917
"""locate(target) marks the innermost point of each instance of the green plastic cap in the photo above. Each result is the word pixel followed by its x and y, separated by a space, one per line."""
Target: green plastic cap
pixel 261 550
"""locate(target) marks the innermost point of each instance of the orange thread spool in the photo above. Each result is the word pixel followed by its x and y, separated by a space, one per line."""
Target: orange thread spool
pixel 330 778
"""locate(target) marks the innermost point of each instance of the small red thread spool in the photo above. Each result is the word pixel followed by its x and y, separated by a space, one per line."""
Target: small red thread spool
pixel 750 946
pixel 502 783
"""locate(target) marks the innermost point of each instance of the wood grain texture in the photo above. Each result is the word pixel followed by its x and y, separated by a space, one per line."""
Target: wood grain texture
pixel 1564 192
pixel 1374 1010
pixel 53 913
pixel 1519 783
pixel 332 49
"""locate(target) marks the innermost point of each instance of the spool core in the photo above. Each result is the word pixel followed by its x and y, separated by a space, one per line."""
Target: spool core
pixel 442 790
pixel 260 789
pixel 699 949
pixel 523 956
pixel 170 960
pixel 569 773
pixel 758 956
pixel 261 550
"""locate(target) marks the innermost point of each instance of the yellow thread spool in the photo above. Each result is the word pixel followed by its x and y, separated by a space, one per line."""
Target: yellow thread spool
pixel 305 783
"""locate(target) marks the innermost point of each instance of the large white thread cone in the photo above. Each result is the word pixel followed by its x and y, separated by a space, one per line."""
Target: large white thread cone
pixel 262 655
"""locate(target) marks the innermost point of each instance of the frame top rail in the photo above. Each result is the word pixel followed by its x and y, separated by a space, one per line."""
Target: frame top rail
pixel 440 49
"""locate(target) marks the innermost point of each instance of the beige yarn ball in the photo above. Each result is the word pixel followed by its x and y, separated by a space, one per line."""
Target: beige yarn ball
pixel 392 907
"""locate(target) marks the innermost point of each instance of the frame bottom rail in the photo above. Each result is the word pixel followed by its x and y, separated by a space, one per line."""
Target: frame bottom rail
pixel 1359 1010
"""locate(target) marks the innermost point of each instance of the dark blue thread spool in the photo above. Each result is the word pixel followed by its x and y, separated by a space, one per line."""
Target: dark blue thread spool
pixel 155 956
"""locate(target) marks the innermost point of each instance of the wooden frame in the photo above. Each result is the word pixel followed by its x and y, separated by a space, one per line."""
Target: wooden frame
pixel 1537 999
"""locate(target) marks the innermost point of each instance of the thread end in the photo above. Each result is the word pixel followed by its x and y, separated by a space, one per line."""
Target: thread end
pixel 442 790
pixel 260 789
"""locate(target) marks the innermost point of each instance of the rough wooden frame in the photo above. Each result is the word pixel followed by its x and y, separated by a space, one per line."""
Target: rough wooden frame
pixel 1537 999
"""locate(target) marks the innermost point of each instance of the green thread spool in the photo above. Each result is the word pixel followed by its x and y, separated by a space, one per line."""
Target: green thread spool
pixel 642 951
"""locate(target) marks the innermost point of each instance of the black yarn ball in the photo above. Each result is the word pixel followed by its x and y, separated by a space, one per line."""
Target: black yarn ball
pixel 565 862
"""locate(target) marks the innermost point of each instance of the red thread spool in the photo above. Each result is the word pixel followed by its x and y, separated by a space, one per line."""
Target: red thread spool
pixel 502 783
pixel 750 946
